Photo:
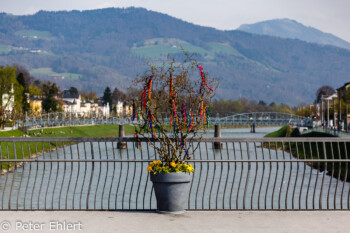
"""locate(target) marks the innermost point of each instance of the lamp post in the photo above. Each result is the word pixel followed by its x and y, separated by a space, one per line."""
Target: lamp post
pixel 328 112
pixel 322 109
pixel 346 118
pixel 334 121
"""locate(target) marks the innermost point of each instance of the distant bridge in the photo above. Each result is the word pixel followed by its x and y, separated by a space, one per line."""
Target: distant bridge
pixel 72 118
pixel 260 118
pixel 69 119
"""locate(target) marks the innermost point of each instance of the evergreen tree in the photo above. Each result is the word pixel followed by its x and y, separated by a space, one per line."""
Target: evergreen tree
pixel 50 91
pixel 21 80
pixel 107 97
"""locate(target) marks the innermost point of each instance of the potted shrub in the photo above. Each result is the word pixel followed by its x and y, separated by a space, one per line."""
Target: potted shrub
pixel 171 108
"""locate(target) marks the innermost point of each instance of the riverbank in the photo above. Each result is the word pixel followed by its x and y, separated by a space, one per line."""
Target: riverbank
pixel 71 131
pixel 314 150
pixel 26 150
pixel 81 131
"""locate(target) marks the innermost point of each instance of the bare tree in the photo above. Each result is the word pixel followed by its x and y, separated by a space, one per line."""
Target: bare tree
pixel 323 90
pixel 179 91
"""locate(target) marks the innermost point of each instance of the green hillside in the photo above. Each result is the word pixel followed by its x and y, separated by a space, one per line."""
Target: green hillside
pixel 47 71
pixel 34 35
pixel 96 48
pixel 161 47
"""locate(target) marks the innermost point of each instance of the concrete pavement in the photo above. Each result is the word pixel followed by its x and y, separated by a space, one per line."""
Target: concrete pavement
pixel 192 221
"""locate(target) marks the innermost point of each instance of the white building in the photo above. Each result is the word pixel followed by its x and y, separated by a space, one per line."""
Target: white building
pixel 73 101
pixel 95 108
pixel 119 106
pixel 104 109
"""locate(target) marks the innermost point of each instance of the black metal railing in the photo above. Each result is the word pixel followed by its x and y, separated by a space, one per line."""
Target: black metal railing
pixel 246 174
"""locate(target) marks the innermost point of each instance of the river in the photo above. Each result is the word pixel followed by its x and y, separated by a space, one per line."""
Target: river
pixel 121 185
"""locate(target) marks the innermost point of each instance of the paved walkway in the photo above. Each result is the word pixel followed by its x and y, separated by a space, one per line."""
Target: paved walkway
pixel 193 221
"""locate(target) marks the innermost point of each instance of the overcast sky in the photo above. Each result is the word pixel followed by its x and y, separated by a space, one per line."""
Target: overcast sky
pixel 326 15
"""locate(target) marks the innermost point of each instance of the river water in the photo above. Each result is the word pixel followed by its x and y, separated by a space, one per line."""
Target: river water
pixel 215 185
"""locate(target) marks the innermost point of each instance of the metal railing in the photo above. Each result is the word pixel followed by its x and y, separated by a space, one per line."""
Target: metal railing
pixel 77 118
pixel 246 174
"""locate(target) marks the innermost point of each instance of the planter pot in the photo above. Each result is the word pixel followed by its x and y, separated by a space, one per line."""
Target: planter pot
pixel 171 191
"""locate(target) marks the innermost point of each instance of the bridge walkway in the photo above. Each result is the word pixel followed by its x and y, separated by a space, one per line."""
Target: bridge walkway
pixel 191 222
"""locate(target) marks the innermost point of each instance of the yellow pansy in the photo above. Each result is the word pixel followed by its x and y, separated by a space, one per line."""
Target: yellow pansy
pixel 149 168
pixel 173 164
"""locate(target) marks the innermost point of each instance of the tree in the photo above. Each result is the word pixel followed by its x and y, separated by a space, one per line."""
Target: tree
pixel 35 91
pixel 176 90
pixel 272 104
pixel 118 95
pixel 107 97
pixel 50 91
pixel 85 95
pixel 11 95
pixel 25 102
pixel 262 103
pixel 73 91
pixel 323 90
pixel 92 95
pixel 28 79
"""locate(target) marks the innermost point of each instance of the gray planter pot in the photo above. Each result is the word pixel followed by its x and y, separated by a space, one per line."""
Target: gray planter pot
pixel 171 191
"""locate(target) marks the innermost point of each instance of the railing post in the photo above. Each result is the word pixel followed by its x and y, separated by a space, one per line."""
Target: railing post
pixel 346 119
pixel 217 134
pixel 252 127
pixel 121 145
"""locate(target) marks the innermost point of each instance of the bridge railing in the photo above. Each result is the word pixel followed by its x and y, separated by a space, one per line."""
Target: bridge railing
pixel 246 174
pixel 65 119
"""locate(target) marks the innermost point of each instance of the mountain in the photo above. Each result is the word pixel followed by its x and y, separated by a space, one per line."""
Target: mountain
pixel 287 28
pixel 109 47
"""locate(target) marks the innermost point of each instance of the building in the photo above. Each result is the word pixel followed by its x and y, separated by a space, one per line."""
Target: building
pixel 121 109
pixel 127 109
pixel 344 99
pixel 72 101
pixel 35 105
pixel 86 107
pixel 118 108
pixel 104 109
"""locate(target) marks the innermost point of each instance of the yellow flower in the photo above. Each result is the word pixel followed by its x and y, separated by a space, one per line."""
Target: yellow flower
pixel 151 164
pixel 173 164
pixel 149 168
pixel 189 168
pixel 158 162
